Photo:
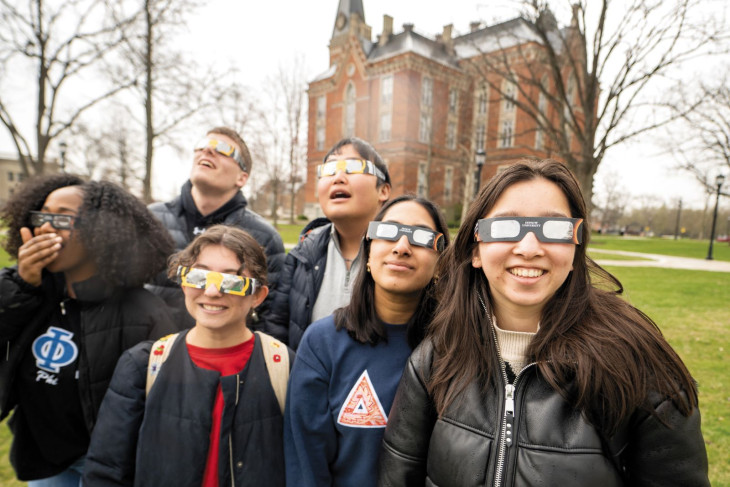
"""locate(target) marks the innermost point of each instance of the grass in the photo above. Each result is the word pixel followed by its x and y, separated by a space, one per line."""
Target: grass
pixel 690 307
pixel 680 248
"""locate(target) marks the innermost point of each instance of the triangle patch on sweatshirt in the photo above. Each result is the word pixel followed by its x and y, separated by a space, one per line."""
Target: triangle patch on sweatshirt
pixel 362 408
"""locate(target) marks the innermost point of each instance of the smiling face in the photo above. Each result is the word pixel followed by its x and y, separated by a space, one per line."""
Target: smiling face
pixel 215 172
pixel 72 260
pixel 399 269
pixel 350 196
pixel 220 314
pixel 524 275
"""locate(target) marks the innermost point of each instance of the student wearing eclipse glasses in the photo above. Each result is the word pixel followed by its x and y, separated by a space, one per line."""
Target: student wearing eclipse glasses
pixel 535 371
pixel 318 275
pixel 348 364
pixel 72 305
pixel 204 406
pixel 212 195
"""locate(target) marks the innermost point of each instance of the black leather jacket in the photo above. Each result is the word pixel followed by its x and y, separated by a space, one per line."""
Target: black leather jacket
pixel 552 444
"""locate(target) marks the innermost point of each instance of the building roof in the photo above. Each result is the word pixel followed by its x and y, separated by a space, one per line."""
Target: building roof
pixel 410 41
pixel 495 37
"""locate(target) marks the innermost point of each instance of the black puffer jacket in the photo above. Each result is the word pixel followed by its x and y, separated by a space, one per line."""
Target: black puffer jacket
pixel 112 320
pixel 552 443
pixel 299 286
pixel 163 439
pixel 172 216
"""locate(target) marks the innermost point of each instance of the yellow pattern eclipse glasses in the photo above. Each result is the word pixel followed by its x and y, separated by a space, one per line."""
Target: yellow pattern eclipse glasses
pixel 223 148
pixel 225 283
pixel 350 166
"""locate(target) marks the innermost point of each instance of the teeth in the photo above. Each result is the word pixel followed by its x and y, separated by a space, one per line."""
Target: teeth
pixel 521 272
pixel 212 308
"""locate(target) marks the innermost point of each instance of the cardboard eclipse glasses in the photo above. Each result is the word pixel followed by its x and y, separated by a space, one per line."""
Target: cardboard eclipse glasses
pixel 223 148
pixel 225 283
pixel 514 229
pixel 59 221
pixel 423 237
pixel 350 166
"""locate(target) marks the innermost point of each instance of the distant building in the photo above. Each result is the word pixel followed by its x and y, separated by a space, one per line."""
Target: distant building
pixel 423 103
pixel 11 174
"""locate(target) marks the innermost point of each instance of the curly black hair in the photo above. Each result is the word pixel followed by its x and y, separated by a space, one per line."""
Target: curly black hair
pixel 128 244
pixel 30 196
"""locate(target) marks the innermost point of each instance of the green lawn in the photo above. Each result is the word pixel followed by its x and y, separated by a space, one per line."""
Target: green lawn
pixel 690 307
pixel 680 248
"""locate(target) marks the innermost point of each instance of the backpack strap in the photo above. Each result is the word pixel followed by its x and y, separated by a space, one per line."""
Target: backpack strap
pixel 159 353
pixel 276 356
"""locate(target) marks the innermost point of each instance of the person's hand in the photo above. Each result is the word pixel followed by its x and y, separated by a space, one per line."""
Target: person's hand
pixel 35 254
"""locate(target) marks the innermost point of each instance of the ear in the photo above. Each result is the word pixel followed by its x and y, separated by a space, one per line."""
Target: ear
pixel 384 193
pixel 476 259
pixel 260 295
pixel 241 179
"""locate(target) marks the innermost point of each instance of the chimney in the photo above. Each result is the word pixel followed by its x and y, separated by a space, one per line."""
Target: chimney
pixel 446 38
pixel 387 30
pixel 474 26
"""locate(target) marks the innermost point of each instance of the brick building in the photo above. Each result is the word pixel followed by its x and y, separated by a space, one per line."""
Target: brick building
pixel 425 104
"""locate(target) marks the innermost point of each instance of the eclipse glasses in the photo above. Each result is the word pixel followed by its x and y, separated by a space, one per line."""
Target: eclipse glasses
pixel 423 237
pixel 225 283
pixel 59 221
pixel 223 148
pixel 350 166
pixel 514 229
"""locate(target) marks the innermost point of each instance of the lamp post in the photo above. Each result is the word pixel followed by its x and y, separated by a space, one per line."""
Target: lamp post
pixel 679 212
pixel 62 153
pixel 718 181
pixel 479 157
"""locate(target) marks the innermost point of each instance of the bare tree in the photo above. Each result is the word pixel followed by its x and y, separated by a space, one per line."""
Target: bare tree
pixel 59 42
pixel 290 82
pixel 172 88
pixel 700 140
pixel 596 75
pixel 612 204
pixel 106 149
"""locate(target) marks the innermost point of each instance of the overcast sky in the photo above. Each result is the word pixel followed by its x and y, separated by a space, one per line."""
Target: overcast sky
pixel 258 36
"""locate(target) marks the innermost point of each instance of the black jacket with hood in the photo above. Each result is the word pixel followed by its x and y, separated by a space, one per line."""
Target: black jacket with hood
pixel 112 319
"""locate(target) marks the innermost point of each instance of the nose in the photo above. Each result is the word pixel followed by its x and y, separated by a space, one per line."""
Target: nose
pixel 339 176
pixel 46 228
pixel 402 246
pixel 529 246
pixel 212 291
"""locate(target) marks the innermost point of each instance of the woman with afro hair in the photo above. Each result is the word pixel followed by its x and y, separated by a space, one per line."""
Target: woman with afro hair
pixel 69 308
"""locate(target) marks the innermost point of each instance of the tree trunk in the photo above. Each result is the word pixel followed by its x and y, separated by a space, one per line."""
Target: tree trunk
pixel 150 135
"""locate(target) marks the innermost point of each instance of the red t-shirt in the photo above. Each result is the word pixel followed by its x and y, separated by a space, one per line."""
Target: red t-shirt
pixel 227 361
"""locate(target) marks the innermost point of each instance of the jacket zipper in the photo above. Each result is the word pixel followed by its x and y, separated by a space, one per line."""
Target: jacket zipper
pixel 507 431
pixel 230 438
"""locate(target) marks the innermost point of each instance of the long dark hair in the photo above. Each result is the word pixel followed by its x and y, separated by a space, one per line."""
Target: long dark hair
pixel 359 317
pixel 602 354
pixel 128 244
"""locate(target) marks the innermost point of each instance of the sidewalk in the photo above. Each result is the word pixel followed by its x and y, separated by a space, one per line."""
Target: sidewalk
pixel 655 260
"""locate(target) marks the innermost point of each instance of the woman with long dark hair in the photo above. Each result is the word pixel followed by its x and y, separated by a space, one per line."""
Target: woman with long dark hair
pixel 535 370
pixel 348 365
pixel 72 305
